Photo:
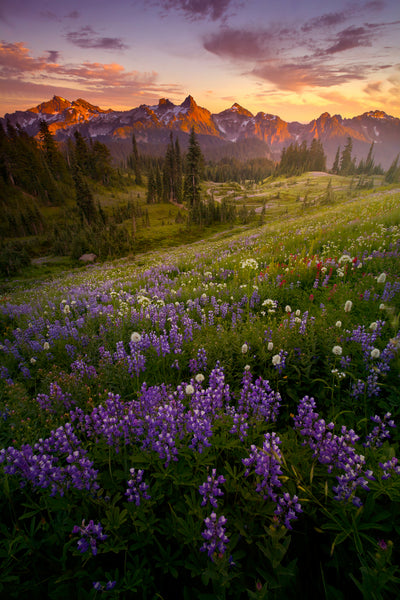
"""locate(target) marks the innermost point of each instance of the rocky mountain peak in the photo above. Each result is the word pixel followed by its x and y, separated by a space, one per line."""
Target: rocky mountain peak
pixel 240 110
pixel 189 102
pixel 165 104
pixel 51 107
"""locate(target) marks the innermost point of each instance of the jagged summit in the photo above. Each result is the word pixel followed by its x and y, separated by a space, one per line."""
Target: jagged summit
pixel 55 105
pixel 239 109
pixel 165 104
pixel 189 102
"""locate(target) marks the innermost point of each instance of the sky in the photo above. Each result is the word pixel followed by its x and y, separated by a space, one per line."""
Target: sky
pixel 291 58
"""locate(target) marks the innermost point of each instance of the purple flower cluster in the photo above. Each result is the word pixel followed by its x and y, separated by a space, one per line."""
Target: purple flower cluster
pixel 214 535
pixel 57 463
pixel 55 399
pixel 380 432
pixel 258 399
pixel 391 465
pixel 287 509
pixel 90 535
pixel 99 587
pixel 199 363
pixel 136 487
pixel 267 465
pixel 335 451
pixel 210 488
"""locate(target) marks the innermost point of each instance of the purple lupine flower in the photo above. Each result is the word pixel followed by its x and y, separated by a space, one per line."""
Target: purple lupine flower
pixel 214 535
pixel 333 450
pixel 390 465
pixel 210 488
pixel 380 432
pixel 136 487
pixel 267 465
pixel 90 535
pixel 287 509
pixel 259 399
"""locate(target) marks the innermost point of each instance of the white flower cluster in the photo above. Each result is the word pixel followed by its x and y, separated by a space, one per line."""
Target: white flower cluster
pixel 271 304
pixel 249 263
pixel 337 350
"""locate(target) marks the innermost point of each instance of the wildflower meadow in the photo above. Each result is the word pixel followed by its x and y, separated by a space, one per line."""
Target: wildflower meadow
pixel 215 421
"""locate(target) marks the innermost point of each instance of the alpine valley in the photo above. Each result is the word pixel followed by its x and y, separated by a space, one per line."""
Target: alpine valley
pixel 232 132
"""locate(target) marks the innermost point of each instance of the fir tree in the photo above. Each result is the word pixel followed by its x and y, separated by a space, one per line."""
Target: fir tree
pixel 84 198
pixel 369 163
pixel 194 165
pixel 393 173
pixel 53 156
pixel 346 161
pixel 336 162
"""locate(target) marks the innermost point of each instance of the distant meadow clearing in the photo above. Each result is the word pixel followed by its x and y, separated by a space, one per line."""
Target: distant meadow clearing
pixel 219 420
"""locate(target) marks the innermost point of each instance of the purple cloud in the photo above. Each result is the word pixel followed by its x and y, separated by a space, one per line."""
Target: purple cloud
pixel 294 76
pixel 327 20
pixel 373 87
pixel 239 44
pixel 352 37
pixel 86 37
pixel 199 9
pixel 52 56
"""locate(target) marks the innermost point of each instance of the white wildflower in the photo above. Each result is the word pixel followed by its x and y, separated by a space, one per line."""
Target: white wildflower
pixel 338 324
pixel 249 263
pixel 245 348
pixel 46 346
pixel 199 377
pixel 337 350
pixel 270 346
pixel 374 326
pixel 135 337
pixel 348 306
pixel 375 353
pixel 381 278
pixel 189 390
pixel 276 359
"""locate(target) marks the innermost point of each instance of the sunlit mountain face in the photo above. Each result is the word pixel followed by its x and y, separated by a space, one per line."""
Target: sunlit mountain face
pixel 263 134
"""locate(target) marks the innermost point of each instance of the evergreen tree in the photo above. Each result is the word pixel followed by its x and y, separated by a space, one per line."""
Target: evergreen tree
pixel 158 185
pixel 369 163
pixel 194 166
pixel 101 168
pixel 172 173
pixel 82 154
pixel 151 189
pixel 336 162
pixel 53 156
pixel 393 173
pixel 346 161
pixel 84 198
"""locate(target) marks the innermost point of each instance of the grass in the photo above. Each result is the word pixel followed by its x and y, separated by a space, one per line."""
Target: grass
pixel 180 349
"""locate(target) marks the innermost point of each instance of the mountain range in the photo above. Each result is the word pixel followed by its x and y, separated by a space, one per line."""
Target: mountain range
pixel 232 132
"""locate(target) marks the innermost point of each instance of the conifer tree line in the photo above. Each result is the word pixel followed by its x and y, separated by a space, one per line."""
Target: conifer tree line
pixel 297 159
pixel 346 164
pixel 38 176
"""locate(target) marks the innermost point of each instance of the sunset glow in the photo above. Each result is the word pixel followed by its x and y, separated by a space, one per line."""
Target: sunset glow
pixel 293 59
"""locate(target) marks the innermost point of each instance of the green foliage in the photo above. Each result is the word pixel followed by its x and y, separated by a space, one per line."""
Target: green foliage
pixel 296 159
pixel 13 256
